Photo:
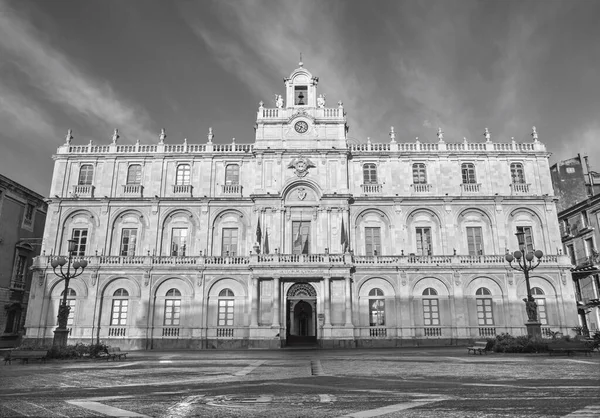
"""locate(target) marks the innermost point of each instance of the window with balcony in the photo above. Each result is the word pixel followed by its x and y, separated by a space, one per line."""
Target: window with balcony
pixel 373 241
pixel 468 173
pixel 86 175
pixel 528 238
pixel 540 300
pixel 431 309
pixel 128 241
pixel 232 174
pixel 226 305
pixel 300 237
pixel 230 242
pixel 120 305
pixel 134 174
pixel 20 269
pixel 183 175
pixel 475 240
pixel 517 174
pixel 172 308
pixel 485 314
pixel 370 174
pixel 376 308
pixel 179 238
pixel 80 235
pixel 419 173
pixel 423 241
pixel 71 303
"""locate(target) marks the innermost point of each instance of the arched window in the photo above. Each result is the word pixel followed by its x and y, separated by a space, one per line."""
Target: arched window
pixel 134 174
pixel 540 300
pixel 468 173
pixel 430 291
pixel 120 305
pixel 431 308
pixel 369 174
pixel 183 175
pixel 86 174
pixel 71 294
pixel 516 173
pixel 485 315
pixel 172 308
pixel 232 174
pixel 226 305
pixel 376 308
pixel 419 173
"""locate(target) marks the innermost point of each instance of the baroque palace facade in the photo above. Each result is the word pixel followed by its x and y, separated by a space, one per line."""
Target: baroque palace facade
pixel 299 237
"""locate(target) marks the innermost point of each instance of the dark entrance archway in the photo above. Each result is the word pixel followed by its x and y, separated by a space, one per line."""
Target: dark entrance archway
pixel 301 315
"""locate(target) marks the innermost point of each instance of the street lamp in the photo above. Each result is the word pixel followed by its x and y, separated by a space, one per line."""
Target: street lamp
pixel 525 263
pixel 61 332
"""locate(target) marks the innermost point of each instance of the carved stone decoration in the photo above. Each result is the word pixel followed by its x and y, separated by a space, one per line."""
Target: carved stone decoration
pixel 457 276
pixel 199 279
pixel 41 278
pixel 94 277
pixel 563 277
pixel 301 165
pixel 301 290
pixel 301 193
pixel 146 278
pixel 510 276
pixel 403 276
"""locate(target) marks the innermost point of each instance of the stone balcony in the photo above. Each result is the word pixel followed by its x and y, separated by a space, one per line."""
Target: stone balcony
pixel 303 260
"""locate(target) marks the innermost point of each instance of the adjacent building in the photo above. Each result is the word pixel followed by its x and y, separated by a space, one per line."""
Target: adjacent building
pixel 579 216
pixel 300 237
pixel 22 219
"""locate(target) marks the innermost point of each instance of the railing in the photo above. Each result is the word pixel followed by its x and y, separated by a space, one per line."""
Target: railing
pixel 84 190
pixel 421 187
pixel 232 189
pixel 121 260
pixel 182 189
pixel 17 284
pixel 470 187
pixel 226 260
pixel 518 188
pixel 432 331
pixel 116 331
pixel 371 188
pixel 482 259
pixel 487 332
pixel 132 189
pixel 378 332
pixel 170 332
pixel 429 259
pixel 224 332
pixel 375 259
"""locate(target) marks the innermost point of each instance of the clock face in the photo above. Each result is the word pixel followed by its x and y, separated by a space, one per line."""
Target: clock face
pixel 301 127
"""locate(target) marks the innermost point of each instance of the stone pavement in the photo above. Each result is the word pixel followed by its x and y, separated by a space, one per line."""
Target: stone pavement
pixel 406 382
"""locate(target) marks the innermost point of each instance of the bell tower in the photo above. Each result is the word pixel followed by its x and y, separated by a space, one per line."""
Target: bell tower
pixel 300 118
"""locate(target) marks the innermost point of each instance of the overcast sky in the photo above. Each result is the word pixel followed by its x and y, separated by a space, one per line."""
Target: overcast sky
pixel 185 66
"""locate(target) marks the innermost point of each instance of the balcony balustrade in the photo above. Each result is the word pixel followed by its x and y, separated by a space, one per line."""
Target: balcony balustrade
pixel 133 190
pixel 468 188
pixel 371 188
pixel 182 189
pixel 232 189
pixel 519 188
pixel 83 190
pixel 421 187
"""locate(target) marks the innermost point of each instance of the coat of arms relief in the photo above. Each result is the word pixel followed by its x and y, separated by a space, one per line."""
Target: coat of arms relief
pixel 301 165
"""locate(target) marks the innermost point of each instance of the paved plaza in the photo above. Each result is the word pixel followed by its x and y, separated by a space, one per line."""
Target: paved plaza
pixel 405 382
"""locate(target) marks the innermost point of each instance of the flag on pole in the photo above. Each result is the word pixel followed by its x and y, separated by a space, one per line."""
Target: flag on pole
pixel 258 233
pixel 344 239
pixel 298 240
pixel 266 245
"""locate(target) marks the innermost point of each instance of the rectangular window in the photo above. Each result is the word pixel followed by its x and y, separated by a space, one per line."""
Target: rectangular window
pixel 571 253
pixel 300 237
pixel 86 175
pixel 80 236
pixel 179 237
pixel 183 174
pixel 541 308
pixel 516 173
pixel 20 270
pixel 468 173
pixel 474 240
pixel 528 237
pixel 589 247
pixel 172 312
pixel 376 312
pixel 119 312
pixel 300 95
pixel 128 241
pixel 134 174
pixel 29 213
pixel 584 219
pixel 373 241
pixel 225 313
pixel 369 174
pixel 431 312
pixel 232 174
pixel 419 174
pixel 230 241
pixel 485 315
pixel 423 241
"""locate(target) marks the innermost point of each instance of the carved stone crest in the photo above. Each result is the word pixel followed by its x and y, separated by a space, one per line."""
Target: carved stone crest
pixel 301 165
pixel 301 193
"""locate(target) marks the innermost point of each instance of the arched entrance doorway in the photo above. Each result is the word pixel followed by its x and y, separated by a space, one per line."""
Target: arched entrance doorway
pixel 301 315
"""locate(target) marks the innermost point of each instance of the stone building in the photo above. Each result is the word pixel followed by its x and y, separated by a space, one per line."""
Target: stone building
pixel 22 218
pixel 300 237
pixel 579 220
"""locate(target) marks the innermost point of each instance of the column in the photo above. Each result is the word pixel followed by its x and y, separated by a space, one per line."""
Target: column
pixel 276 303
pixel 348 302
pixel 327 300
pixel 254 302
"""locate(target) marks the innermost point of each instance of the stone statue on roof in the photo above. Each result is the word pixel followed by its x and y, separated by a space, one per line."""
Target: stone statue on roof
pixel 278 101
pixel 321 101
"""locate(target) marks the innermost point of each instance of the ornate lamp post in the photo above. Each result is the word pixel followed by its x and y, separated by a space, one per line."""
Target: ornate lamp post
pixel 525 263
pixel 61 332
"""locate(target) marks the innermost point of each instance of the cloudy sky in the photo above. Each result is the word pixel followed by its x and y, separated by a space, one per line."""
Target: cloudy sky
pixel 184 66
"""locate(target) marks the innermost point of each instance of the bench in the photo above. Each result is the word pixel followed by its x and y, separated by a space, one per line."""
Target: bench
pixel 569 347
pixel 25 355
pixel 478 347
pixel 112 353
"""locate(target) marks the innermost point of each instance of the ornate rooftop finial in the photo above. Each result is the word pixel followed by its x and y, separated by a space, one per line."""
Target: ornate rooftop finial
pixel 210 135
pixel 340 104
pixel 300 63
pixel 465 139
pixel 261 104
pixel 368 140
pixel 137 141
pixel 534 134
pixel 184 141
pixel 162 136
pixel 440 134
pixel 487 135
pixel 233 141
pixel 69 137
pixel 115 136
pixel 91 143
pixel 392 134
